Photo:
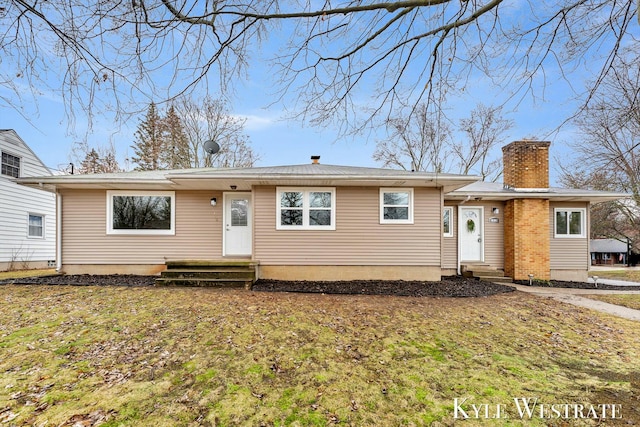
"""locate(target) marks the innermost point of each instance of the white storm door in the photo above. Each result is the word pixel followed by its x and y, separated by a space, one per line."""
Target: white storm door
pixel 237 224
pixel 470 221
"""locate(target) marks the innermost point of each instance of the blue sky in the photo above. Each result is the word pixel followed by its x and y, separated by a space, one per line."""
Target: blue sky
pixel 278 141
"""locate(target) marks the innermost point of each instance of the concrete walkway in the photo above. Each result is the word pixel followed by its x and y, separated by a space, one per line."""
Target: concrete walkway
pixel 572 296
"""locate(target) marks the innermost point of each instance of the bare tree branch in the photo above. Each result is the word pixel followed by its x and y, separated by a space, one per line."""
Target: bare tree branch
pixel 347 62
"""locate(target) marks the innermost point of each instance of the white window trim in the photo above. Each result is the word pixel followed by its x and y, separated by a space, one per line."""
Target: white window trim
pixel 396 190
pixel 112 193
pixel 29 236
pixel 450 233
pixel 583 223
pixel 305 208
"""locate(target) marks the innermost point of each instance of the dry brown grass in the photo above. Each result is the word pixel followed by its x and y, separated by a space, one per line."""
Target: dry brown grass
pixel 17 274
pixel 622 274
pixel 167 357
pixel 630 301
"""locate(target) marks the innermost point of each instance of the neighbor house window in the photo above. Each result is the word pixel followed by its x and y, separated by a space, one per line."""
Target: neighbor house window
pixel 570 222
pixel 36 226
pixel 447 221
pixel 306 208
pixel 396 206
pixel 10 165
pixel 134 212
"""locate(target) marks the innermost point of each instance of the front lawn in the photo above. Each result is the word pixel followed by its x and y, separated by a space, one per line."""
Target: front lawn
pixel 17 274
pixel 629 300
pixel 630 275
pixel 143 356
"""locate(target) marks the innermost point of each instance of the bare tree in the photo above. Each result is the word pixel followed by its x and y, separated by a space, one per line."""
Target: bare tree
pixel 398 52
pixel 425 141
pixel 608 154
pixel 420 142
pixel 484 129
pixel 210 119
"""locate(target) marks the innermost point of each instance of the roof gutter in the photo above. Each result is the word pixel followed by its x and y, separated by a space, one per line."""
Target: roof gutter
pixel 282 177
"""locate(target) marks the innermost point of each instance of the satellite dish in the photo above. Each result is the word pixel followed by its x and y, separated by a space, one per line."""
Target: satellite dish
pixel 211 147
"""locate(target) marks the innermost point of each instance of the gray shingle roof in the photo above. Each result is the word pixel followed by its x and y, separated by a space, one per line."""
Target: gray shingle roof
pixel 310 170
pixel 497 191
pixel 608 246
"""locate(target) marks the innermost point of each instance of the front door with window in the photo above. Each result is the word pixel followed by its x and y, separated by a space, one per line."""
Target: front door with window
pixel 471 234
pixel 237 224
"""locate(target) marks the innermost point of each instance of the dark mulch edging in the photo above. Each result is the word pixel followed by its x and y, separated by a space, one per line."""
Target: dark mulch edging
pixel 454 286
pixel 84 280
pixel 578 285
pixel 447 287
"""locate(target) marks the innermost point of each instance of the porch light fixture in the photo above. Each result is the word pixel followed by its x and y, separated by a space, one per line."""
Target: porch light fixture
pixel 495 211
pixel 214 201
pixel 233 187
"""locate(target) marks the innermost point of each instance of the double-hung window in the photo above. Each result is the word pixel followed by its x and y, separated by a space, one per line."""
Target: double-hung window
pixel 10 165
pixel 135 212
pixel 396 206
pixel 570 222
pixel 311 208
pixel 36 226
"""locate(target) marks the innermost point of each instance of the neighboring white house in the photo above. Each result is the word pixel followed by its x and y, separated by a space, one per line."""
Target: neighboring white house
pixel 27 215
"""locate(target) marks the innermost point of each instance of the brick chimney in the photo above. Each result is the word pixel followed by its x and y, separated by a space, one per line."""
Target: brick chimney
pixel 526 164
pixel 315 160
pixel 526 220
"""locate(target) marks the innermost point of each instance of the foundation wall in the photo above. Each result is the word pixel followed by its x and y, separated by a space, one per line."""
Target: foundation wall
pixel 570 275
pixel 27 265
pixel 141 269
pixel 349 272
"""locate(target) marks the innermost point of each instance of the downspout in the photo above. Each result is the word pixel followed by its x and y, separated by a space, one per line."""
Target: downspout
pixel 58 232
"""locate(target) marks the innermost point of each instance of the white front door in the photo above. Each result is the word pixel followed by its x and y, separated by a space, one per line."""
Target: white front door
pixel 237 224
pixel 471 233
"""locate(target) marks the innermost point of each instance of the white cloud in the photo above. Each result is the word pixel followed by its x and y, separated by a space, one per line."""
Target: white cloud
pixel 254 122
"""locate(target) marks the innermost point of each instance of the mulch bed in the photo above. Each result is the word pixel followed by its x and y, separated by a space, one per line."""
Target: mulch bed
pixel 85 280
pixel 448 287
pixel 452 286
pixel 578 285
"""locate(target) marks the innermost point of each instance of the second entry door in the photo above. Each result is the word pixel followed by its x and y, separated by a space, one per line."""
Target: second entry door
pixel 237 224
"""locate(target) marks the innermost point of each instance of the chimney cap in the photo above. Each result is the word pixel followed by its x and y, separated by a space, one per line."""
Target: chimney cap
pixel 315 160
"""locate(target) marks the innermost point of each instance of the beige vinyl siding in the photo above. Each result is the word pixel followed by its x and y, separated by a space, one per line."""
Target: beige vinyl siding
pixel 359 238
pixel 568 253
pixel 493 236
pixel 450 244
pixel 85 241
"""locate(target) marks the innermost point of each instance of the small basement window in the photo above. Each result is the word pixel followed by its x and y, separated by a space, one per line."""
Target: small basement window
pixel 133 212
